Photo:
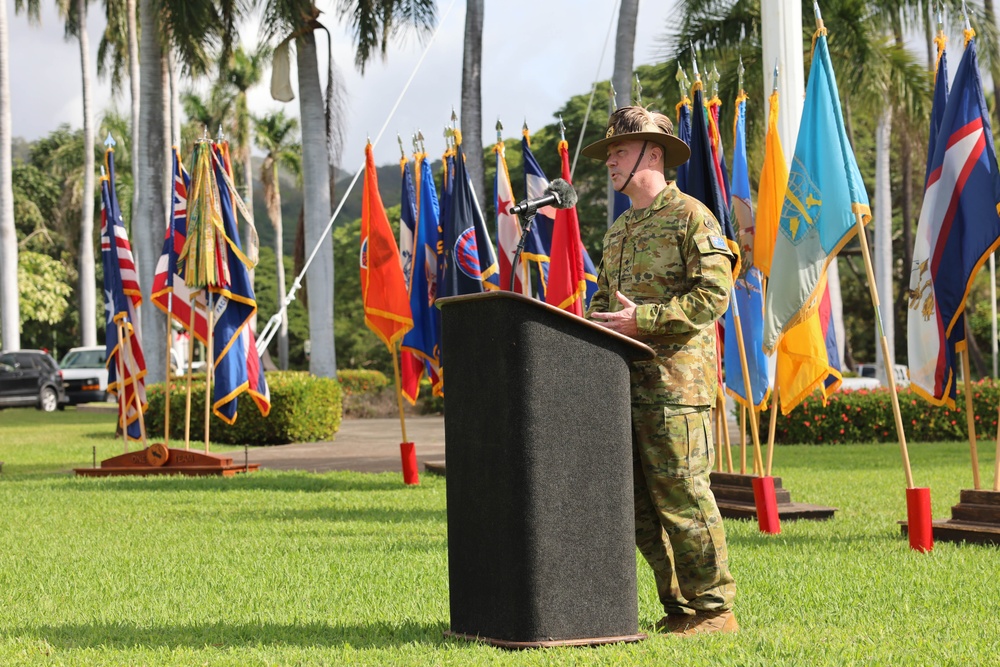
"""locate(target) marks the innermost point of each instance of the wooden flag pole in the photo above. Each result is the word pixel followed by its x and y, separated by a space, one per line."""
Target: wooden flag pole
pixel 121 387
pixel 729 460
pixel 743 439
pixel 996 469
pixel 188 376
pixel 718 442
pixel 720 406
pixel 399 391
pixel 166 398
pixel 754 431
pixel 970 419
pixel 134 370
pixel 208 369
pixel 887 361
pixel 772 427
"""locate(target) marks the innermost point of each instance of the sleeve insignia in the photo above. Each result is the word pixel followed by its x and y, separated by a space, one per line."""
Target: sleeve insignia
pixel 718 243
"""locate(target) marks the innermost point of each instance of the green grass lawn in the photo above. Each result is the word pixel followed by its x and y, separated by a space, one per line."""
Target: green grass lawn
pixel 306 569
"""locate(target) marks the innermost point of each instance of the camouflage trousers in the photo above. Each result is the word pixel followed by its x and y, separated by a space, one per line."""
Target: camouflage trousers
pixel 678 528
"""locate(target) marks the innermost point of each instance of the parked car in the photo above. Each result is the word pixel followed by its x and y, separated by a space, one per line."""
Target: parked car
pixel 85 376
pixel 30 377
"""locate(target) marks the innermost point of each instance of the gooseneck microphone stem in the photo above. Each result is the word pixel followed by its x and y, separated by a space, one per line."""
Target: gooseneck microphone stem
pixel 520 247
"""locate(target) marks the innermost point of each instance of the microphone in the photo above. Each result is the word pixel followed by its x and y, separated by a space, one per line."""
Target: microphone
pixel 559 194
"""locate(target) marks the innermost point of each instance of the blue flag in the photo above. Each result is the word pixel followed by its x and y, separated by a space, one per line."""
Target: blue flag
pixel 748 288
pixel 703 181
pixel 959 228
pixel 824 200
pixel 684 134
pixel 237 365
pixel 424 339
pixel 469 259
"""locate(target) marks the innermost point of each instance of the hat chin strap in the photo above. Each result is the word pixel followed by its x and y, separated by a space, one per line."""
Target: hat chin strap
pixel 634 168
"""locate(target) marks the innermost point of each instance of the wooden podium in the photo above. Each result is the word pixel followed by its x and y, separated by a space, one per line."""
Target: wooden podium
pixel 538 444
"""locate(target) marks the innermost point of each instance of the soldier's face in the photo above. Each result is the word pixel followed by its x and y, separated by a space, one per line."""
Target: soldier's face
pixel 621 160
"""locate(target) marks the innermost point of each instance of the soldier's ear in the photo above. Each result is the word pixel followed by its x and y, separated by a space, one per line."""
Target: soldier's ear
pixel 655 154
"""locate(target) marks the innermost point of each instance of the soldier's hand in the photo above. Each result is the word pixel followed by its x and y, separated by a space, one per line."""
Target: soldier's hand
pixel 623 321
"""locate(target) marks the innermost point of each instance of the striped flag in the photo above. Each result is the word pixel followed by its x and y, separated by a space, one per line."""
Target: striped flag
pixel 121 297
pixel 508 228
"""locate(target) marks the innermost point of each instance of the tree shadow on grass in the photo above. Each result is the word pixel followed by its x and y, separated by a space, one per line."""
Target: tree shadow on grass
pixel 381 634
pixel 289 481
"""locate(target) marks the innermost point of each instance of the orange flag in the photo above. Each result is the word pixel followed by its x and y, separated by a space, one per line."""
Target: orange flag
pixel 567 282
pixel 383 288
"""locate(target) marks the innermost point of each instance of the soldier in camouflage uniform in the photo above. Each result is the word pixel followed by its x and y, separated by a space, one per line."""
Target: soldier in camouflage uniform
pixel 665 279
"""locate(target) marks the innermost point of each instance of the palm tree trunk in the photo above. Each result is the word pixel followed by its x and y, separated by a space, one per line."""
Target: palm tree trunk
pixel 990 16
pixel 621 78
pixel 133 76
pixel 149 220
pixel 87 298
pixel 168 130
pixel 472 99
pixel 316 188
pixel 882 257
pixel 175 101
pixel 10 311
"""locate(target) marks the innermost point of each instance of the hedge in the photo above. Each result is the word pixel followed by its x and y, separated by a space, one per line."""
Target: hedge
pixel 304 408
pixel 865 415
pixel 357 381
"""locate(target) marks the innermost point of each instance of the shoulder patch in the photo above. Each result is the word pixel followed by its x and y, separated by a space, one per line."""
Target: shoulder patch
pixel 718 242
pixel 710 223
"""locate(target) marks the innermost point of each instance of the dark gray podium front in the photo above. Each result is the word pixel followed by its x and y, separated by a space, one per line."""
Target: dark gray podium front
pixel 541 545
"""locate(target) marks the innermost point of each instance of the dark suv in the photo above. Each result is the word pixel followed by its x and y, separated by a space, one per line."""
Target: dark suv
pixel 30 377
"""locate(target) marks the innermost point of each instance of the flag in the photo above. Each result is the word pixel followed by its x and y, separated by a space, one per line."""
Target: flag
pixel 703 170
pixel 958 229
pixel 423 341
pixel 508 228
pixel 718 155
pixel 383 287
pixel 539 240
pixel 770 193
pixel 121 297
pixel 237 368
pixel 167 280
pixel 410 367
pixel 825 193
pixel 684 134
pixel 469 260
pixel 567 285
pixel 748 287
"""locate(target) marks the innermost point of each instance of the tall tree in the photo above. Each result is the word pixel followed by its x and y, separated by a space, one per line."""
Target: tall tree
pixel 74 13
pixel 243 71
pixel 372 25
pixel 472 98
pixel 621 78
pixel 275 134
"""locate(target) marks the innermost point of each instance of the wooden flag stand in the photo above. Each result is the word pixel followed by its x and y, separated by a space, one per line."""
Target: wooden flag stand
pixel 407 450
pixel 976 517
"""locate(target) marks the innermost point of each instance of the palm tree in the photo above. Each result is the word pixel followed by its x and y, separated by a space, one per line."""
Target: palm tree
pixel 372 24
pixel 621 78
pixel 472 99
pixel 243 71
pixel 10 312
pixel 274 133
pixel 74 13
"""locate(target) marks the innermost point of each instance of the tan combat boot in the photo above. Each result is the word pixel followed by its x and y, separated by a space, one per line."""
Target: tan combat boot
pixel 702 622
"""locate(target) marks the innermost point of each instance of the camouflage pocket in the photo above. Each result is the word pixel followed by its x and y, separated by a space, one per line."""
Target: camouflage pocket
pixel 674 441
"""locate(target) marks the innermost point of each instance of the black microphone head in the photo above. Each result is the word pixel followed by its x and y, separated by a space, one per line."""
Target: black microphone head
pixel 564 192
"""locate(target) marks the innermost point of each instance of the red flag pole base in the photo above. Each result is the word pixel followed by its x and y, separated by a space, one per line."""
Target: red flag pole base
pixel 767 505
pixel 918 519
pixel 409 455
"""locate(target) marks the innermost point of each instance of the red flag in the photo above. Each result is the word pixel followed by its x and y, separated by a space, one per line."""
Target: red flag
pixel 383 287
pixel 567 282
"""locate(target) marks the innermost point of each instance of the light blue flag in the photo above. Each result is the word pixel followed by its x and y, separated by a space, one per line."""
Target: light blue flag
pixel 824 197
pixel 747 291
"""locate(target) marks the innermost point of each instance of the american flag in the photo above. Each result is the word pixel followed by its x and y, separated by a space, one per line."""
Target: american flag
pixel 121 297
pixel 167 280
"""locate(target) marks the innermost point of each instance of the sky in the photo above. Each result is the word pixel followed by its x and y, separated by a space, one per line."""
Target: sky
pixel 533 61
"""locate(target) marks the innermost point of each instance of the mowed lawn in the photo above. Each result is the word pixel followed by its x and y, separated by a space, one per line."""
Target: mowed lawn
pixel 345 568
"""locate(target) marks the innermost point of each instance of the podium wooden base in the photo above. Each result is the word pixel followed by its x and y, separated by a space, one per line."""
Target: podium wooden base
pixel 734 496
pixel 975 519
pixel 159 460
pixel 503 643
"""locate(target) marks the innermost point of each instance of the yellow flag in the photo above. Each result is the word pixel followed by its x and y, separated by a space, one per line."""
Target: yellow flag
pixel 771 195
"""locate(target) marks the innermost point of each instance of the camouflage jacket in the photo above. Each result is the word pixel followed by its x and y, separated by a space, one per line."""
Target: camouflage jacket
pixel 672 260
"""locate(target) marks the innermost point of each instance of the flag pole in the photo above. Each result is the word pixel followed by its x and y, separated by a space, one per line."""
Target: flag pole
pixel 121 387
pixel 208 368
pixel 743 439
pixel 134 371
pixel 720 407
pixel 189 376
pixel 754 432
pixel 399 391
pixel 773 426
pixel 970 419
pixel 996 469
pixel 717 437
pixel 166 400
pixel 886 357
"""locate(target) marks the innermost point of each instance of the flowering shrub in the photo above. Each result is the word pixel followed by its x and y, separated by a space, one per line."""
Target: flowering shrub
pixel 355 381
pixel 865 415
